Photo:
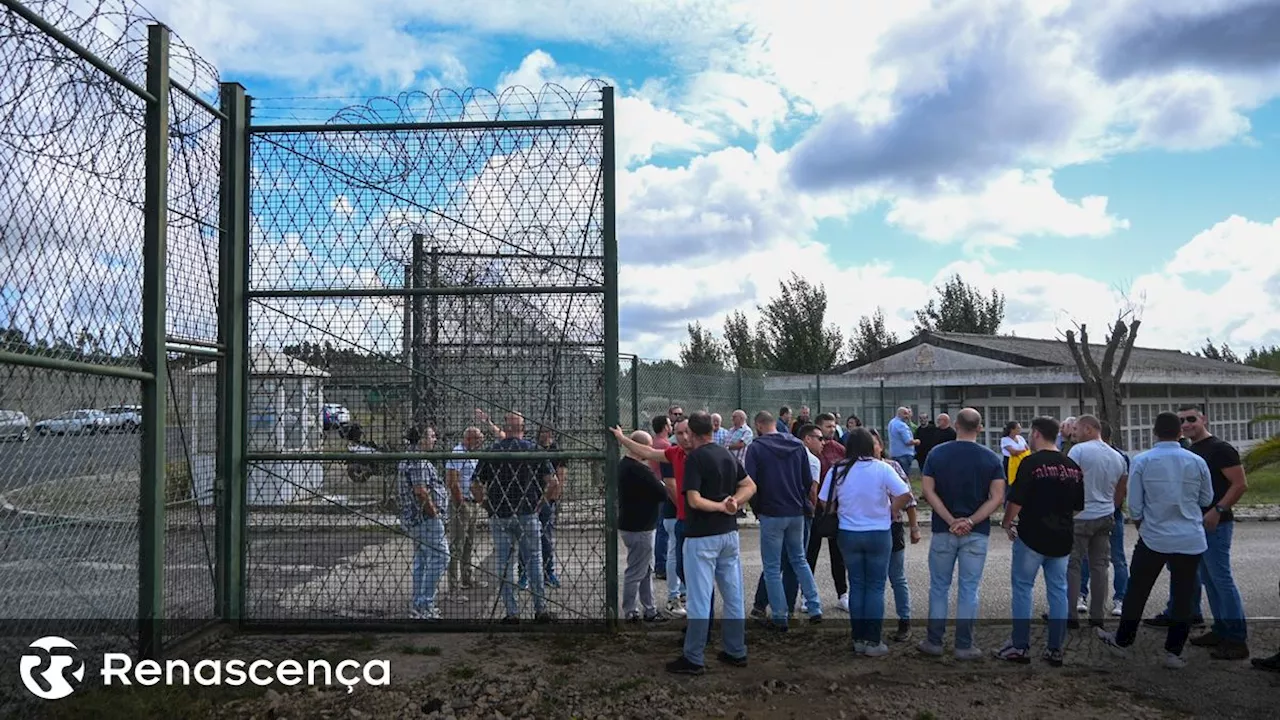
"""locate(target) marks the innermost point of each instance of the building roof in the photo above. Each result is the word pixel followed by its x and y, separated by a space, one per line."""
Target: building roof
pixel 1043 353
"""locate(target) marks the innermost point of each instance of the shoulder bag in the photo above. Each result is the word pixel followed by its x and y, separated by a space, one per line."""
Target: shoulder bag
pixel 827 524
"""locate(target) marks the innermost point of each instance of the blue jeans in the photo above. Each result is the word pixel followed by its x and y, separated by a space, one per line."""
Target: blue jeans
pixel 866 557
pixel 660 540
pixel 1119 565
pixel 430 560
pixel 782 543
pixel 1220 586
pixel 671 557
pixel 905 462
pixel 790 585
pixel 1022 578
pixel 711 562
pixel 898 579
pixel 547 518
pixel 512 537
pixel 678 531
pixel 946 552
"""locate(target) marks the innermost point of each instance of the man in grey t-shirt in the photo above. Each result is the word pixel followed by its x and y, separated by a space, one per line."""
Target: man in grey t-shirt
pixel 1104 491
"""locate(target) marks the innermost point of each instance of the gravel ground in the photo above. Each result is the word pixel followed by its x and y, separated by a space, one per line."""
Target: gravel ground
pixel 809 672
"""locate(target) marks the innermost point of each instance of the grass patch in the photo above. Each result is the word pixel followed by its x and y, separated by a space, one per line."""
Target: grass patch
pixel 462 672
pixel 363 643
pixel 564 657
pixel 1264 487
pixel 425 650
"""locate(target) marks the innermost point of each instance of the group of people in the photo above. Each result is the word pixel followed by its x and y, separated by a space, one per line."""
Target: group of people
pixel 1062 490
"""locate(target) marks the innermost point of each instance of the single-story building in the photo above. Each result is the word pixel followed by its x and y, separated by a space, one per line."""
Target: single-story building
pixel 1014 378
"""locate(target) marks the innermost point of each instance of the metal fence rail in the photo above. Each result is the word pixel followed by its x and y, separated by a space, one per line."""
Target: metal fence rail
pixel 436 262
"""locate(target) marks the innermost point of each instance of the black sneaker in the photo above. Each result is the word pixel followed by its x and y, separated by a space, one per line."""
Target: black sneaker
pixel 771 626
pixel 728 659
pixel 815 619
pixel 904 631
pixel 511 620
pixel 1271 664
pixel 1207 640
pixel 659 576
pixel 682 666
pixel 545 617
pixel 656 618
pixel 1159 621
pixel 1054 657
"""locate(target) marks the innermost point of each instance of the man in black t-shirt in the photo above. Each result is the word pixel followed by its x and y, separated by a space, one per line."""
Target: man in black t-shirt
pixel 640 495
pixel 1043 501
pixel 1229 635
pixel 716 486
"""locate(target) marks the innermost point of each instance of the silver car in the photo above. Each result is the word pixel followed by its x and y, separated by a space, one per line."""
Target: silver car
pixel 14 426
pixel 74 422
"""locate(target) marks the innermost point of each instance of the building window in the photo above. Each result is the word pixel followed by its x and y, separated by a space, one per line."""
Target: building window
pixel 1134 419
pixel 1050 411
pixel 1144 415
pixel 1001 391
pixel 1024 391
pixel 1024 414
pixel 979 391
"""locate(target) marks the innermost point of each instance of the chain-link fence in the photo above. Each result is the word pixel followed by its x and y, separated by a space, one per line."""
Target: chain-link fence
pixel 109 236
pixel 433 262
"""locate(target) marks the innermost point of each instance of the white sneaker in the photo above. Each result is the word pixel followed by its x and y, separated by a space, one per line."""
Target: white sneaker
pixel 1117 607
pixel 972 653
pixel 675 609
pixel 1082 605
pixel 844 602
pixel 929 648
pixel 875 651
pixel 1174 662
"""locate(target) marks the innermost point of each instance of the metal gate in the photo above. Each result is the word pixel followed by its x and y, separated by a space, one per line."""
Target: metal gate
pixel 436 262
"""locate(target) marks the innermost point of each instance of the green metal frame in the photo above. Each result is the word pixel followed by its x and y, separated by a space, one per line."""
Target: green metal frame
pixel 607 167
pixel 151 514
pixel 233 371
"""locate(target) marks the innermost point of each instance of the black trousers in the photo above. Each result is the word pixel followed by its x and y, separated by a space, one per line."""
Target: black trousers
pixel 839 575
pixel 1144 570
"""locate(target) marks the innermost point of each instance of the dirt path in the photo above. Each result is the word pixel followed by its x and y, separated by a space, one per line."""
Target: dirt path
pixel 808 672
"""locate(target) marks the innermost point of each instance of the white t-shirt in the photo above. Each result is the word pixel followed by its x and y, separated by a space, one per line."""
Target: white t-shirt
pixel 863 495
pixel 815 467
pixel 1010 446
pixel 1103 466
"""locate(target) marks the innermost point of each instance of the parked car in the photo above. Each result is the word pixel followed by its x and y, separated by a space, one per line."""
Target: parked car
pixel 14 426
pixel 336 416
pixel 125 418
pixel 75 422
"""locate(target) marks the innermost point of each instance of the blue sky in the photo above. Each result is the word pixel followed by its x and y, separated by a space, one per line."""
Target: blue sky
pixel 1067 152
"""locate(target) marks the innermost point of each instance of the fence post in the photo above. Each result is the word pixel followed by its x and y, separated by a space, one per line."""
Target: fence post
pixel 883 420
pixel 610 241
pixel 817 380
pixel 154 359
pixel 233 370
pixel 635 392
pixel 740 403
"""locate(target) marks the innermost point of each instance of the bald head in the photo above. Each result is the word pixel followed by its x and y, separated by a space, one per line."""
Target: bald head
pixel 513 425
pixel 968 424
pixel 904 412
pixel 943 421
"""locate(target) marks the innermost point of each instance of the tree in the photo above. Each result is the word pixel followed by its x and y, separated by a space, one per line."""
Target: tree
pixel 793 335
pixel 1225 353
pixel 962 308
pixel 870 338
pixel 1266 452
pixel 703 348
pixel 742 339
pixel 1105 378
pixel 1267 358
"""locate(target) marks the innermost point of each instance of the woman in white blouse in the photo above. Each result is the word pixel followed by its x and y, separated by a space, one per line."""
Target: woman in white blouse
pixel 1012 444
pixel 898 559
pixel 865 494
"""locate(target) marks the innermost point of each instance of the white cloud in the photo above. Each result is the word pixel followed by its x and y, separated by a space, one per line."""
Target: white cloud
pixel 1014 205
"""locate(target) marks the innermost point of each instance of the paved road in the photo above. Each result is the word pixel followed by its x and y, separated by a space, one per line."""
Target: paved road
pixel 54 456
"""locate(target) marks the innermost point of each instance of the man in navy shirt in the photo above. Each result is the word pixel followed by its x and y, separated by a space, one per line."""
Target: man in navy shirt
pixel 964 483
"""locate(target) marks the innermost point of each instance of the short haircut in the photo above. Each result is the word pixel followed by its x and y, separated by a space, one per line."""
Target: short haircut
pixel 1191 408
pixel 859 444
pixel 969 420
pixel 785 410
pixel 806 429
pixel 1090 421
pixel 660 423
pixel 700 423
pixel 1047 427
pixel 413 435
pixel 824 417
pixel 764 416
pixel 1167 426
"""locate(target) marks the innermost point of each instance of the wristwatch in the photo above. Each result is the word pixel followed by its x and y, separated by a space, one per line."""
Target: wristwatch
pixel 1221 510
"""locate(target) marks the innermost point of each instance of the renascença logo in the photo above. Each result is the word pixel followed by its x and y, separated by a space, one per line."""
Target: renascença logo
pixel 120 669
pixel 50 683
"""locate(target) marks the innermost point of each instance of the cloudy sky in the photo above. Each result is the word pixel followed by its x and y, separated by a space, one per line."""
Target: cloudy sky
pixel 1060 150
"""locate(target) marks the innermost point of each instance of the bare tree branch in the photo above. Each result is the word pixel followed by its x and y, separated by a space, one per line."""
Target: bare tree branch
pixel 1128 350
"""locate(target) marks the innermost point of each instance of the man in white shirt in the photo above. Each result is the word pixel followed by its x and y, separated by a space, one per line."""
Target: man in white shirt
pixel 1105 485
pixel 468 498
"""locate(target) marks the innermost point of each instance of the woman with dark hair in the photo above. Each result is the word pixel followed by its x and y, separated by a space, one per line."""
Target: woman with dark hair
pixel 898 560
pixel 865 494
pixel 853 422
pixel 1012 445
